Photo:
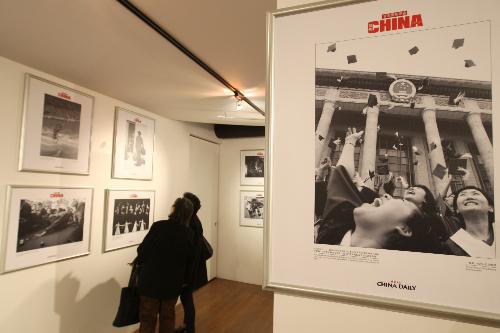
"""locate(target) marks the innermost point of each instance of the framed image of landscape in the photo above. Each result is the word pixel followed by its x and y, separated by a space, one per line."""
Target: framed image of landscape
pixel 46 224
pixel 385 126
pixel 252 167
pixel 129 215
pixel 56 128
pixel 252 209
pixel 133 148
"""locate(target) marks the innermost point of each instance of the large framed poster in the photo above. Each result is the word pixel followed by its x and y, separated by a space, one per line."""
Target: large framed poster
pixel 46 224
pixel 389 106
pixel 133 145
pixel 252 167
pixel 56 128
pixel 129 214
pixel 252 209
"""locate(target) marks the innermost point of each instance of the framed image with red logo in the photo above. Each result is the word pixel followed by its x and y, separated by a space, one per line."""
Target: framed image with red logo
pixel 133 148
pixel 46 224
pixel 56 128
pixel 129 215
pixel 381 115
pixel 252 167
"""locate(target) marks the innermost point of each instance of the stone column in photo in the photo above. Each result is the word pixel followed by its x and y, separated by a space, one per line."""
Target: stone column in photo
pixel 369 150
pixel 480 136
pixel 436 155
pixel 325 120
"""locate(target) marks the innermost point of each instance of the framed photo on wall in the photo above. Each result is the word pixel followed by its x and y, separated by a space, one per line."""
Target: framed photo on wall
pixel 46 224
pixel 389 105
pixel 252 167
pixel 252 209
pixel 56 128
pixel 129 215
pixel 133 148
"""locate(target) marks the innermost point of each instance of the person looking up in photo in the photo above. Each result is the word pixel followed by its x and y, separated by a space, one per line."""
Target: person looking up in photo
pixel 385 222
pixel 165 265
pixel 476 237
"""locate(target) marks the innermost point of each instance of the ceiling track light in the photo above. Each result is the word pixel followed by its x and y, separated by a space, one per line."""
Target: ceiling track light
pixel 239 102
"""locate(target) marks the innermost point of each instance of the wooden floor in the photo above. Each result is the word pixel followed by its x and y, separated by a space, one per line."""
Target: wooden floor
pixel 224 306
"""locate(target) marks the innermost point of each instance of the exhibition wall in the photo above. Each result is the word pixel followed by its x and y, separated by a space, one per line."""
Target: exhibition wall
pixel 294 313
pixel 81 294
pixel 240 248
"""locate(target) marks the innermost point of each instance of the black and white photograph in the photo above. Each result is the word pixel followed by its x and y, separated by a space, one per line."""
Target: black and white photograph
pixel 391 113
pixel 252 167
pixel 411 154
pixel 252 209
pixel 129 215
pixel 56 128
pixel 133 145
pixel 60 128
pixel 47 224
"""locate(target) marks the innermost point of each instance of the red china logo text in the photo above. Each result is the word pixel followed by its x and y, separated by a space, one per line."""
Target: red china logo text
pixel 56 195
pixel 62 94
pixel 395 21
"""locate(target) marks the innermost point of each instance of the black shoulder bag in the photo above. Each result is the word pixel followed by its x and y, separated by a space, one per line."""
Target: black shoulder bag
pixel 128 310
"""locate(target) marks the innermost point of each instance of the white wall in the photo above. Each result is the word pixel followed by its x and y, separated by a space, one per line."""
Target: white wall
pixel 240 249
pixel 81 294
pixel 301 314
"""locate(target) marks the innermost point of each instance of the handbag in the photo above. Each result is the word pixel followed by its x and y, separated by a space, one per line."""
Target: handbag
pixel 128 310
pixel 206 249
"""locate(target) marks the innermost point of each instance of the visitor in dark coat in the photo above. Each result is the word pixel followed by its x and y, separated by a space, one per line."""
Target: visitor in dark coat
pixel 166 264
pixel 199 273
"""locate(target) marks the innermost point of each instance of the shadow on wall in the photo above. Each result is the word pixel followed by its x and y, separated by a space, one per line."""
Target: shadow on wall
pixel 92 313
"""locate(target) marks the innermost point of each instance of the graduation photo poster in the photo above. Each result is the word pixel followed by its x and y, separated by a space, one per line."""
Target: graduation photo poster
pixel 397 189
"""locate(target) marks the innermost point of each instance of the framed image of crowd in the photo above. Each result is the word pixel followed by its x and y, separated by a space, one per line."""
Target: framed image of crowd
pixel 252 209
pixel 46 224
pixel 396 168
pixel 133 146
pixel 129 214
pixel 56 128
pixel 252 167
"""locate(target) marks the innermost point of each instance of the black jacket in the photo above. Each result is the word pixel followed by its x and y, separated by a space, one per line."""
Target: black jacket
pixel 165 259
pixel 199 276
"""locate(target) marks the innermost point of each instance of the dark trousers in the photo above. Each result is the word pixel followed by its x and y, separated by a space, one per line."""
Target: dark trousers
pixel 189 312
pixel 150 309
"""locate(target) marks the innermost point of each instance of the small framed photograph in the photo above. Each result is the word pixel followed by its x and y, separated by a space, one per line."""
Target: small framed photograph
pixel 46 224
pixel 128 215
pixel 252 167
pixel 133 145
pixel 252 209
pixel 56 128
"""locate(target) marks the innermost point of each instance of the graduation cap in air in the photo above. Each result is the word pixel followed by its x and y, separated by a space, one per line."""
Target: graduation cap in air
pixel 458 43
pixel 320 138
pixel 371 174
pixel 455 163
pixel 394 147
pixel 332 48
pixel 432 146
pixel 415 150
pixel 439 171
pixel 351 59
pixel 372 100
pixel 456 98
pixel 469 63
pixel 424 84
pixel 413 50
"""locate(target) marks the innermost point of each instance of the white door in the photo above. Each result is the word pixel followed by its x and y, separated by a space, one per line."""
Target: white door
pixel 204 182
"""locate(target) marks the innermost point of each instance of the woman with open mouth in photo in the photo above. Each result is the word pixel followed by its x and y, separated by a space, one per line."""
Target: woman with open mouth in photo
pixel 387 223
pixel 476 238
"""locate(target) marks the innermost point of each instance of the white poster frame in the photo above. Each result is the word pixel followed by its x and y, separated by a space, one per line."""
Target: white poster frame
pixel 287 71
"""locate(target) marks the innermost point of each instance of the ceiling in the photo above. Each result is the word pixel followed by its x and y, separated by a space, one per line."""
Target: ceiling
pixel 100 45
